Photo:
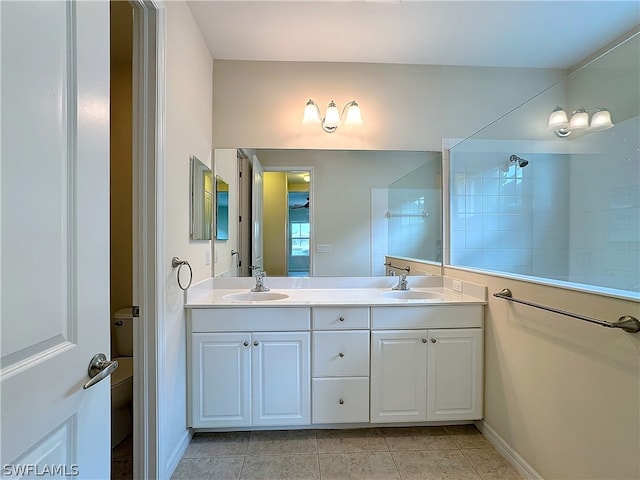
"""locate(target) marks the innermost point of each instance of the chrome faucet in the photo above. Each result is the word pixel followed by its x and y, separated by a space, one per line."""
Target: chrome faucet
pixel 259 275
pixel 402 283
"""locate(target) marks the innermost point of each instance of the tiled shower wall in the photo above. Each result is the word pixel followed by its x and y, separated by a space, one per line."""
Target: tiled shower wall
pixel 605 210
pixel 572 217
pixel 507 218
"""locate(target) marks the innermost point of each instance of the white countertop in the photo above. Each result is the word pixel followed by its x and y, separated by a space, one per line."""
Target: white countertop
pixel 324 293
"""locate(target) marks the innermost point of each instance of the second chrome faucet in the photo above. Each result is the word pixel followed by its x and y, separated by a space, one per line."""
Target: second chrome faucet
pixel 402 284
pixel 259 275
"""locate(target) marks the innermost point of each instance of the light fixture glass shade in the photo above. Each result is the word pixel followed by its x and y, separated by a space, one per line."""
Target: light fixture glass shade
pixel 332 117
pixel 558 119
pixel 601 120
pixel 579 119
pixel 311 116
pixel 353 115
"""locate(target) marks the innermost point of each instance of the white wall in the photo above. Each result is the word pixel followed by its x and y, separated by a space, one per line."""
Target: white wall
pixel 404 107
pixel 188 132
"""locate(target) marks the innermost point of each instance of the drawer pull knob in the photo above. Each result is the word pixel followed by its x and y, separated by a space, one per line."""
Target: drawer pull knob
pixel 341 354
pixel 341 402
pixel 341 319
pixel 433 340
pixel 256 343
pixel 424 340
pixel 246 344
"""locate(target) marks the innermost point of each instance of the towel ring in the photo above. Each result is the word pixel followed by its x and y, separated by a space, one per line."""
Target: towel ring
pixel 177 263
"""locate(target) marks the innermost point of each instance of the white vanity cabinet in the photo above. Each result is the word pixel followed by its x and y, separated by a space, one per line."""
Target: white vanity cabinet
pixel 426 363
pixel 249 377
pixel 340 346
pixel 327 365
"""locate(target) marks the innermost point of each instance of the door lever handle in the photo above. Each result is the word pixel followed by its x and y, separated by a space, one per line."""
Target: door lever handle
pixel 99 369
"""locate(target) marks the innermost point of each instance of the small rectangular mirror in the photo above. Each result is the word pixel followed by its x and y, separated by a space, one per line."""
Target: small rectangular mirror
pixel 201 200
pixel 222 209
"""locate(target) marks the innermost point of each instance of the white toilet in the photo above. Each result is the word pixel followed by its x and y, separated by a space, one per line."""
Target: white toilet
pixel 122 378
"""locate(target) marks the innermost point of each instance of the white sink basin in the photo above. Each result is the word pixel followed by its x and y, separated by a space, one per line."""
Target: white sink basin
pixel 255 296
pixel 412 295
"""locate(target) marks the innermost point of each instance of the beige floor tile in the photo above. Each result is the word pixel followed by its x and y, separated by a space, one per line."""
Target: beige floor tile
pixel 278 442
pixel 417 438
pixel 217 444
pixel 217 468
pixel 490 464
pixel 434 465
pixel 358 466
pixel 281 467
pixel 351 440
pixel 467 436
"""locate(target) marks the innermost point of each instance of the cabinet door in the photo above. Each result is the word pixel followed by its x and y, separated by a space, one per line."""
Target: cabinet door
pixel 398 376
pixel 455 374
pixel 281 378
pixel 221 382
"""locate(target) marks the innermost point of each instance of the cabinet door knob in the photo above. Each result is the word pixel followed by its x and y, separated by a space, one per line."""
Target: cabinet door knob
pixel 341 319
pixel 256 343
pixel 246 344
pixel 433 340
pixel 341 402
pixel 341 354
pixel 424 340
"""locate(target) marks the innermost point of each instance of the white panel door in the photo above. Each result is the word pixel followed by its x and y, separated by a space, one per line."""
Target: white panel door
pixel 281 381
pixel 455 374
pixel 221 380
pixel 399 376
pixel 55 237
pixel 257 214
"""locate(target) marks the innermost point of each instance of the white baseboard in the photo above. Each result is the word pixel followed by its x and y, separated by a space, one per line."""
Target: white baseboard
pixel 514 458
pixel 178 452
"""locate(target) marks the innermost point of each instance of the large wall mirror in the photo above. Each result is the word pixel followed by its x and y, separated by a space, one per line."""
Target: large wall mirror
pixel 348 209
pixel 201 200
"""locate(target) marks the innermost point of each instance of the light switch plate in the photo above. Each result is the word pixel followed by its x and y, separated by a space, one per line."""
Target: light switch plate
pixel 323 248
pixel 457 285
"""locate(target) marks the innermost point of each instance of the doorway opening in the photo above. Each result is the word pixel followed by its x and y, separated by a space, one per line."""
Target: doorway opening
pixel 122 313
pixel 287 221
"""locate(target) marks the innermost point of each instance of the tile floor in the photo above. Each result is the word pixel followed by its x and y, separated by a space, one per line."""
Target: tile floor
pixel 427 453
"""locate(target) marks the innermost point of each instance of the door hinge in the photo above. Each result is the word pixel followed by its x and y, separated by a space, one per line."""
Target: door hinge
pixel 239 218
pixel 135 311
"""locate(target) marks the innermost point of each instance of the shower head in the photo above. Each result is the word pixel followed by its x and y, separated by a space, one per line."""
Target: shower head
pixel 520 161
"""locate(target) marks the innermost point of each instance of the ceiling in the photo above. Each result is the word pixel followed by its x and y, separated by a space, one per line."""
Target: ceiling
pixel 542 33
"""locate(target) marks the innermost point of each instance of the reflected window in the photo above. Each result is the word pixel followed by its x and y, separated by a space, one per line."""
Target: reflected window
pixel 300 239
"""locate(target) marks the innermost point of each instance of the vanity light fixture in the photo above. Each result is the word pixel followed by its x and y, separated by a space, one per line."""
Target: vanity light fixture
pixel 561 125
pixel 333 118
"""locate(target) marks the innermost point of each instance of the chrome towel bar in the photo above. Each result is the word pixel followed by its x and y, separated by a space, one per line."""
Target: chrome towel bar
pixel 626 322
pixel 406 269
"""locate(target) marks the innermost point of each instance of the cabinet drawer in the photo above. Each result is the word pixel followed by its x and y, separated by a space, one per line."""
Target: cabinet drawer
pixel 249 319
pixel 336 318
pixel 341 354
pixel 420 317
pixel 340 400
